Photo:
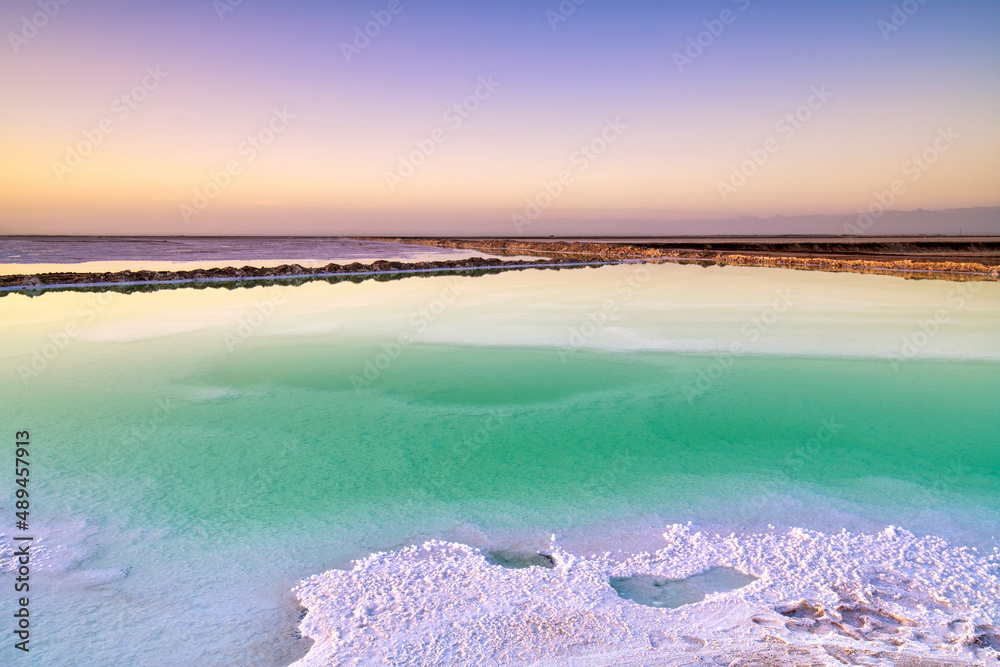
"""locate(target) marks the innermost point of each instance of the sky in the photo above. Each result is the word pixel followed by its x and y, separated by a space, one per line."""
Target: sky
pixel 424 117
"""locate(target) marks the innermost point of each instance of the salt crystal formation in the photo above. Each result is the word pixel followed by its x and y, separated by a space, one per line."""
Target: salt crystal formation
pixel 888 598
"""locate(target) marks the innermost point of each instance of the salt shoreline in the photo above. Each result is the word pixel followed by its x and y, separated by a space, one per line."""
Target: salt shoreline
pixel 901 257
pixel 887 598
pixel 907 269
pixel 30 282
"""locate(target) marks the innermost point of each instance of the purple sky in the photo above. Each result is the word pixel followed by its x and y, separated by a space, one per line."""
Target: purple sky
pixel 195 117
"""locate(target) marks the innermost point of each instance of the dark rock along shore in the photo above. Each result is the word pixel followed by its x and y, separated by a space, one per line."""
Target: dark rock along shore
pixel 842 256
pixel 284 270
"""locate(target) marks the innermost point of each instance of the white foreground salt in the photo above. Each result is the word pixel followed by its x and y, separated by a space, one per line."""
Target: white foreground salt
pixel 888 598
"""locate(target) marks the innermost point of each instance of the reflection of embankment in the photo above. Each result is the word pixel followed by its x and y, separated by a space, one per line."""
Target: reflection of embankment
pixel 913 260
pixel 554 254
pixel 287 274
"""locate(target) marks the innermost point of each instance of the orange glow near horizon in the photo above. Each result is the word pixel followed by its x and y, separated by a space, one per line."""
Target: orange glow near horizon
pixel 105 136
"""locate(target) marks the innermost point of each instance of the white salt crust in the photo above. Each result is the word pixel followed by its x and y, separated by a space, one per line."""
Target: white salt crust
pixel 888 598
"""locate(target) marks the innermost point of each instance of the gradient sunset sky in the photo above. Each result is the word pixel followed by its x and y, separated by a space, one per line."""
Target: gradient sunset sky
pixel 337 118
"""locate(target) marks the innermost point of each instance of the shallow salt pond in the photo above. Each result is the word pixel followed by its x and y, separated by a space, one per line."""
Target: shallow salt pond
pixel 672 593
pixel 198 453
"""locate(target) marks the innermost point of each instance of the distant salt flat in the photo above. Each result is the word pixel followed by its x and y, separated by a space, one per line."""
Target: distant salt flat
pixel 107 254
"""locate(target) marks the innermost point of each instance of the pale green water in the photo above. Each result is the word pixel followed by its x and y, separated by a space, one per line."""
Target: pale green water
pixel 294 440
pixel 253 468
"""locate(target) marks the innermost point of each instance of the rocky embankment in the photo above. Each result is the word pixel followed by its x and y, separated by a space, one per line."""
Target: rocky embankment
pixel 551 253
pixel 252 273
pixel 862 259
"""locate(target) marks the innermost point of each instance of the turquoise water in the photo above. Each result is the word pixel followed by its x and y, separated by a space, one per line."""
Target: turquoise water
pixel 674 593
pixel 184 484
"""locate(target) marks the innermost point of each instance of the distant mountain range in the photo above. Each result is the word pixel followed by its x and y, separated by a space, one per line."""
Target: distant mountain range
pixel 980 221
